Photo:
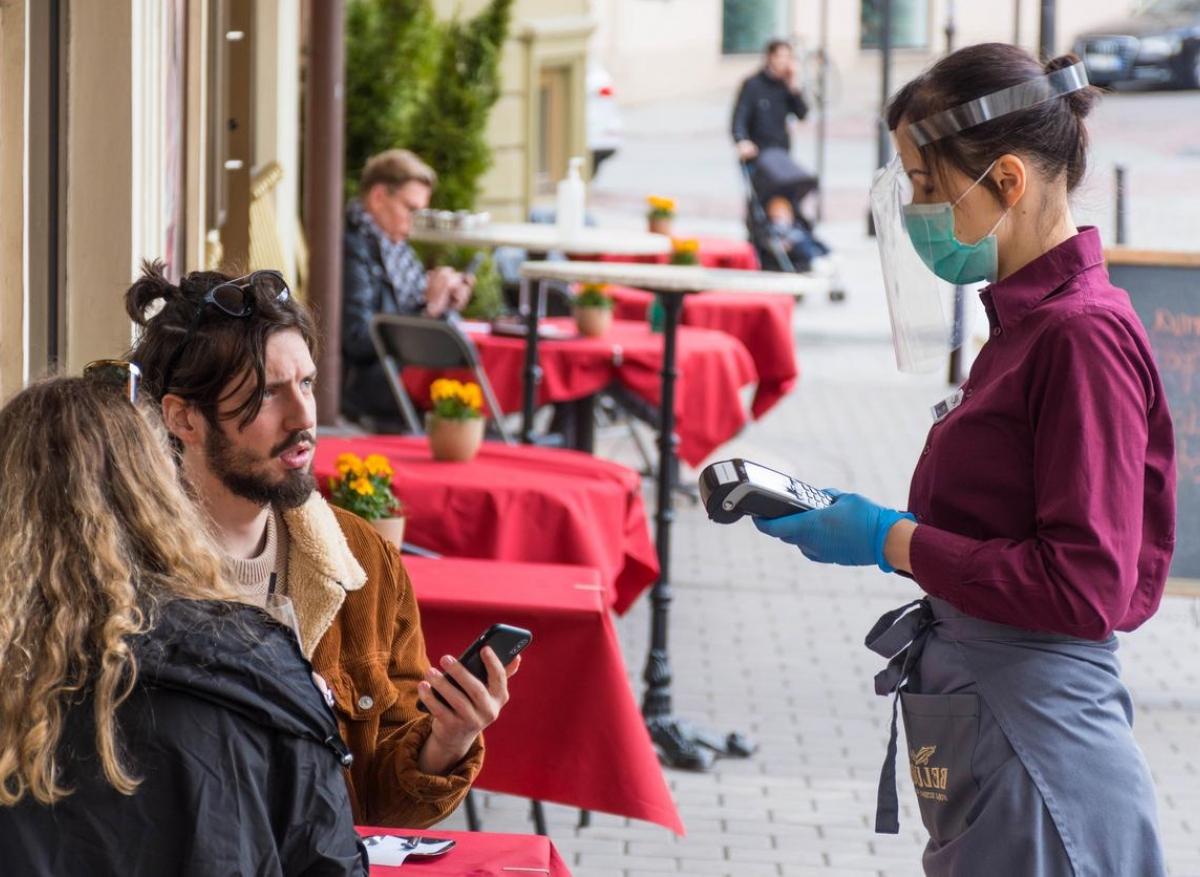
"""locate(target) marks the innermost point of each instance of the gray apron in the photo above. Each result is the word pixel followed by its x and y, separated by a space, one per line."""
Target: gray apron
pixel 1021 749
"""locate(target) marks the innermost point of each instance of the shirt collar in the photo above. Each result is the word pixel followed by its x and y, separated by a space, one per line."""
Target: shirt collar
pixel 1010 300
pixel 360 215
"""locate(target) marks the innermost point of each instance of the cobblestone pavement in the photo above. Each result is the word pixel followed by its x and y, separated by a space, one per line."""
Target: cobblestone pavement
pixel 767 643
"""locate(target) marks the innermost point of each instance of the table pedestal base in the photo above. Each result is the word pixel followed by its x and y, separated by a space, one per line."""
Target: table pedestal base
pixel 681 743
pixel 690 747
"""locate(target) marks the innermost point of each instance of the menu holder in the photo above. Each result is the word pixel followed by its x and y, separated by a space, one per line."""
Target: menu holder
pixel 1165 290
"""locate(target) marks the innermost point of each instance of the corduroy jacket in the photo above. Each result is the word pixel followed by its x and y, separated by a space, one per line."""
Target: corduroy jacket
pixel 360 628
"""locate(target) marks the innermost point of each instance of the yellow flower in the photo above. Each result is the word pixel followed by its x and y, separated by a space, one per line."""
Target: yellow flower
pixel 363 486
pixel 472 396
pixel 444 388
pixel 347 464
pixel 377 464
pixel 685 245
pixel 658 202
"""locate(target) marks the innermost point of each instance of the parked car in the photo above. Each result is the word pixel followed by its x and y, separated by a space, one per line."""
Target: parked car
pixel 1161 43
pixel 603 117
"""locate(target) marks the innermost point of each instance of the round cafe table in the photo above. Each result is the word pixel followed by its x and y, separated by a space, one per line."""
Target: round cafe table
pixel 543 237
pixel 571 714
pixel 476 854
pixel 713 252
pixel 761 321
pixel 679 741
pixel 518 503
pixel 713 367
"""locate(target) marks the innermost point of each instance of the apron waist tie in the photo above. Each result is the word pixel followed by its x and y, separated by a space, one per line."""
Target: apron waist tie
pixel 899 636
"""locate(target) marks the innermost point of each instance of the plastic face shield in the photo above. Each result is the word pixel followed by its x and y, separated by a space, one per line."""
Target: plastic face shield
pixel 918 302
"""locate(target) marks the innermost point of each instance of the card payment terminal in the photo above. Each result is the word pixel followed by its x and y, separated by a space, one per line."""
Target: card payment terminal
pixel 733 488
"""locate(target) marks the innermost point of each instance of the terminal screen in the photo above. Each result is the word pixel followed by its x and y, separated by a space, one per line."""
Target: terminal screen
pixel 768 478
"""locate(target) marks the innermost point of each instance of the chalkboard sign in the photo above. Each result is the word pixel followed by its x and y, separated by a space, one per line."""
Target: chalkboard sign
pixel 1165 291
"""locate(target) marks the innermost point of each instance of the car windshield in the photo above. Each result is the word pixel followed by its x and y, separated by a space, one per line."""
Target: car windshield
pixel 1171 7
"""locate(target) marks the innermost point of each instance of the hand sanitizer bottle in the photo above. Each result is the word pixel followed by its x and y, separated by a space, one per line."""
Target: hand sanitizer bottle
pixel 571 194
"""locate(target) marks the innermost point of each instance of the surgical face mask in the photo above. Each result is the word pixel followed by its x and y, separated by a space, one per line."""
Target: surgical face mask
pixel 931 230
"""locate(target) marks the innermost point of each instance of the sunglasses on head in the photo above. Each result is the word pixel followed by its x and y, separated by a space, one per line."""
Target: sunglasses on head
pixel 115 373
pixel 233 298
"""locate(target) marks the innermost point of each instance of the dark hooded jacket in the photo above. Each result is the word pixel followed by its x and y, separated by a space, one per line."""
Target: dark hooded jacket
pixel 239 759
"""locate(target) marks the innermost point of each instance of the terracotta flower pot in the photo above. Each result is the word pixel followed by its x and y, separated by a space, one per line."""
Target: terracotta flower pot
pixel 391 529
pixel 593 321
pixel 660 225
pixel 455 440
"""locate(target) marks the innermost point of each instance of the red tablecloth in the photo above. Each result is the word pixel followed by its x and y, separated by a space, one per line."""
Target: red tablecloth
pixel 477 854
pixel 572 731
pixel 713 366
pixel 522 503
pixel 761 321
pixel 714 253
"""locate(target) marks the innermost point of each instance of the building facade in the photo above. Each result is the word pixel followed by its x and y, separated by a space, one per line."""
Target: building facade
pixel 131 130
pixel 661 49
pixel 539 121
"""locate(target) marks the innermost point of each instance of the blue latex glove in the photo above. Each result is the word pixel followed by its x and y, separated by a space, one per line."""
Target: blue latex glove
pixel 850 532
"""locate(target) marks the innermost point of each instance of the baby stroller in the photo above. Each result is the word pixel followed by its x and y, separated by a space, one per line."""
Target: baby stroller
pixel 778 228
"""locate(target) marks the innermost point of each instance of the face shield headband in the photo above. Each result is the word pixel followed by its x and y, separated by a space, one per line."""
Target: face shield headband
pixel 1018 97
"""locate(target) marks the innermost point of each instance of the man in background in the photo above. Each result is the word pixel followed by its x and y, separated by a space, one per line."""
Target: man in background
pixel 764 103
pixel 382 275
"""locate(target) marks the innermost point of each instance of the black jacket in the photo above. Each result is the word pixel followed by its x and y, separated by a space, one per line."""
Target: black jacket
pixel 761 112
pixel 239 758
pixel 366 291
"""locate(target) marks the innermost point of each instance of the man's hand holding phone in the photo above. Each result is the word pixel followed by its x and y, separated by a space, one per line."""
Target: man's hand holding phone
pixel 461 704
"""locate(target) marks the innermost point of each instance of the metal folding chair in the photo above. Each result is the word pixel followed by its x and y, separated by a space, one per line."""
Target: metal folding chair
pixel 429 343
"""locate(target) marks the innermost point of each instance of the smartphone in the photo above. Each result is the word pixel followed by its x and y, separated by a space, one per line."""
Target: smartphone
pixel 506 641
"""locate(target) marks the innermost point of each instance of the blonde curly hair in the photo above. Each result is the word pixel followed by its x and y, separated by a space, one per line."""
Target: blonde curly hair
pixel 95 534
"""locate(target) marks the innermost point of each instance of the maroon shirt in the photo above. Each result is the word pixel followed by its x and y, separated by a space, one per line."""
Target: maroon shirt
pixel 1046 500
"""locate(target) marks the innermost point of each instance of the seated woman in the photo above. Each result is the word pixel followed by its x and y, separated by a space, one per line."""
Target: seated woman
pixel 148 725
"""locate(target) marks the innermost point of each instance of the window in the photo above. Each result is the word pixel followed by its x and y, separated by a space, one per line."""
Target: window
pixel 747 25
pixel 554 88
pixel 910 24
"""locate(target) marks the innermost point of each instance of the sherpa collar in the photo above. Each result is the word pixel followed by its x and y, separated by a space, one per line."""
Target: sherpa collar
pixel 320 570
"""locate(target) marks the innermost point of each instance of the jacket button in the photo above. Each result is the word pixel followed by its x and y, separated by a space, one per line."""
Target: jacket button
pixel 996 332
pixel 926 451
pixel 366 702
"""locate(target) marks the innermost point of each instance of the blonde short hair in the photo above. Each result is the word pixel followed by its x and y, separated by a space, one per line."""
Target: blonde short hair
pixel 395 168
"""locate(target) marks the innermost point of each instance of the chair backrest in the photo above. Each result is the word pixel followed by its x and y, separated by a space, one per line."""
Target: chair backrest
pixel 426 342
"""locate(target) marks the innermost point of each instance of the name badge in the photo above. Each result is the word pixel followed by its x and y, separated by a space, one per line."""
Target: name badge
pixel 942 409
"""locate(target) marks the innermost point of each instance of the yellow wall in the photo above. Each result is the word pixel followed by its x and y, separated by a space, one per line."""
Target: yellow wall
pixel 543 33
pixel 12 199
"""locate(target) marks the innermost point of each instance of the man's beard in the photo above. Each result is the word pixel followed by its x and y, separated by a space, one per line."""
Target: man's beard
pixel 236 470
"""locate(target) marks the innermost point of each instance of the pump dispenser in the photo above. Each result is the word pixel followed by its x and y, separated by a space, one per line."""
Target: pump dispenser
pixel 571 194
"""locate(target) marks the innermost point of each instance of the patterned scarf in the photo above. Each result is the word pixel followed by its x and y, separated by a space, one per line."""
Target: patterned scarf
pixel 404 269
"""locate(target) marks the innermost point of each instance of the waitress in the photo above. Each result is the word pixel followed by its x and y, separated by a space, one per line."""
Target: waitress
pixel 1041 512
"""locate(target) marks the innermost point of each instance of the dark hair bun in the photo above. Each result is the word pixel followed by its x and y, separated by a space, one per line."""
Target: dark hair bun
pixel 1081 101
pixel 152 286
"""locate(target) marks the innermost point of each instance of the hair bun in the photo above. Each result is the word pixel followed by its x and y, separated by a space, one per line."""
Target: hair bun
pixel 1082 100
pixel 149 288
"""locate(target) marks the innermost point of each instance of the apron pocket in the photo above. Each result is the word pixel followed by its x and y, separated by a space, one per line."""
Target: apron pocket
pixel 942 731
